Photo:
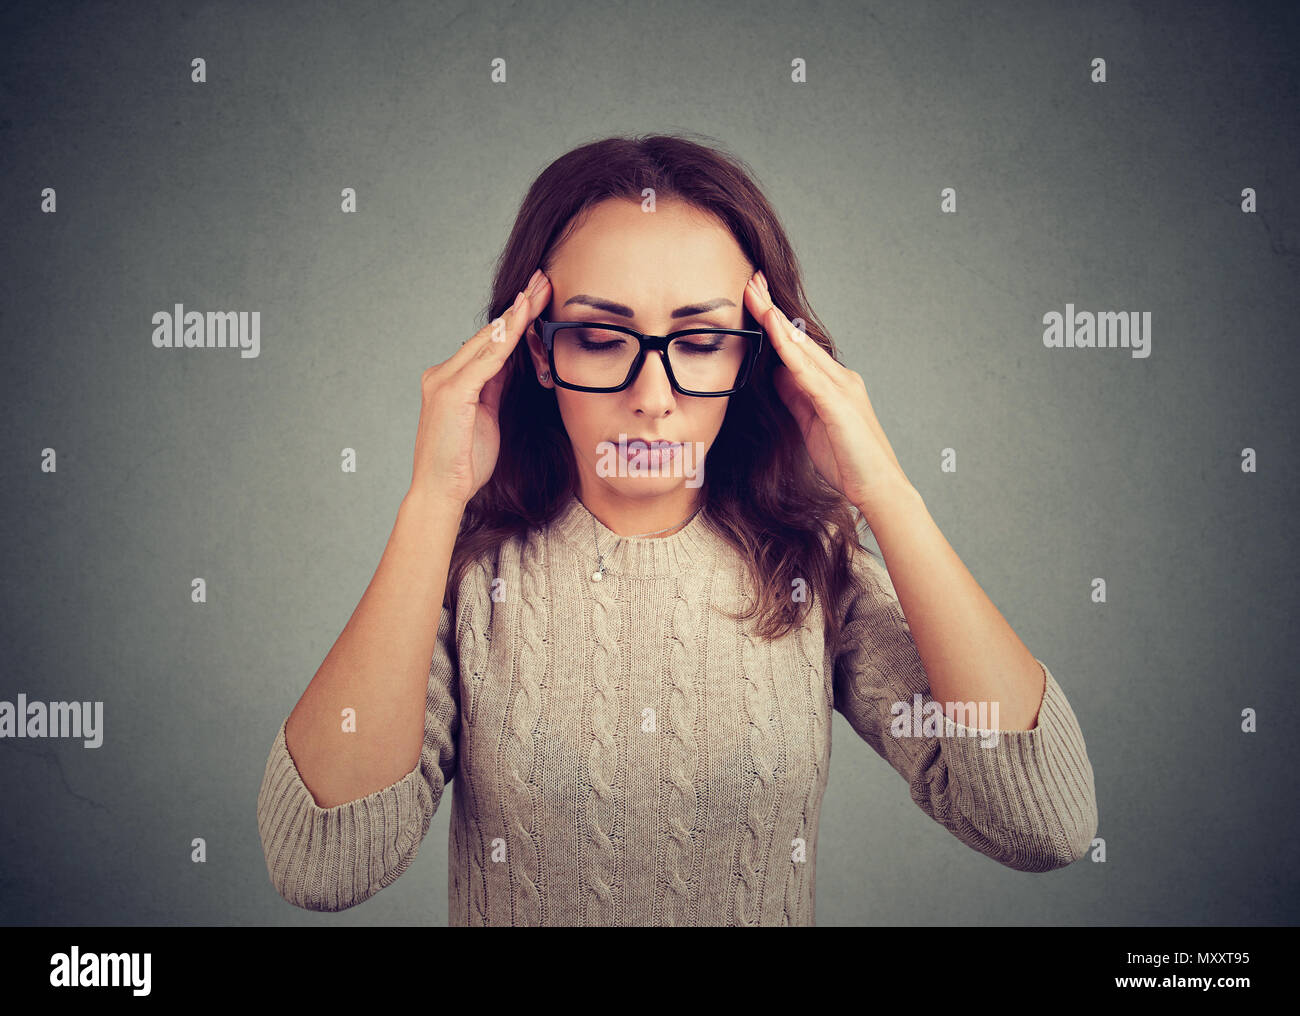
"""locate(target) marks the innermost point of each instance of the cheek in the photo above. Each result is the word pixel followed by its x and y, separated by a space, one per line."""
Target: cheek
pixel 715 414
pixel 582 419
pixel 705 420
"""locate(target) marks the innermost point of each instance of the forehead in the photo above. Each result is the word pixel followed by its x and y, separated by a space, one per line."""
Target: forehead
pixel 623 248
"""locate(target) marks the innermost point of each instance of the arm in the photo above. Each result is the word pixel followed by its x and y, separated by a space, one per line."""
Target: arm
pixel 1028 801
pixel 1024 797
pixel 342 814
pixel 334 858
pixel 969 651
pixel 379 665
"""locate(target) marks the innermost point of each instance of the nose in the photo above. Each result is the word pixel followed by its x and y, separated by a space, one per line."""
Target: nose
pixel 651 391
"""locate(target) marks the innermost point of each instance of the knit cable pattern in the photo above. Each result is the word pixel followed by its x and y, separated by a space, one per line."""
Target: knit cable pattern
pixel 810 650
pixel 765 746
pixel 520 793
pixel 600 865
pixel 682 771
pixel 478 619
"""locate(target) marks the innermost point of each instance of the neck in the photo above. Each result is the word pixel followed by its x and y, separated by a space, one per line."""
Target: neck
pixel 632 516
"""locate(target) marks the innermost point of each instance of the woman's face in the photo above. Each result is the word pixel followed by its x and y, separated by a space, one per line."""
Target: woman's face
pixel 635 268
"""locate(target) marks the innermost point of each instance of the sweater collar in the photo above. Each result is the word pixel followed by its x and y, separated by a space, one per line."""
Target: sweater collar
pixel 695 545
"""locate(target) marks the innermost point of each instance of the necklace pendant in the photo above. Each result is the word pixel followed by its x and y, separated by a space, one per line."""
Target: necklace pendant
pixel 596 576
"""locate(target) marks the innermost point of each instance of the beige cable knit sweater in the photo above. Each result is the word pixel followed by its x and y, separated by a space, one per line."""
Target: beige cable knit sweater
pixel 624 755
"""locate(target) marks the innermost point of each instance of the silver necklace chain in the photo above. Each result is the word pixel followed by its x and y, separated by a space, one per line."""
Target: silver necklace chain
pixel 599 573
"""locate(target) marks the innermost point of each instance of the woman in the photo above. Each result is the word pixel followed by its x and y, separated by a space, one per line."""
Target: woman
pixel 634 667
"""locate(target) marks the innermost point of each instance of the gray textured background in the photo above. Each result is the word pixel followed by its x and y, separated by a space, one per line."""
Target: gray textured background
pixel 1072 463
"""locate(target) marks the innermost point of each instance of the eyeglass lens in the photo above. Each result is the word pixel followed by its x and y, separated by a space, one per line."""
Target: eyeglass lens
pixel 594 357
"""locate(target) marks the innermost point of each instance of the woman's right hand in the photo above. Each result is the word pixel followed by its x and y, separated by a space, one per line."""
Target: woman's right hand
pixel 459 436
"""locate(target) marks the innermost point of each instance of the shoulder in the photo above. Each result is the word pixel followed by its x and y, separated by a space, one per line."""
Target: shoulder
pixel 473 588
pixel 869 585
pixel 514 558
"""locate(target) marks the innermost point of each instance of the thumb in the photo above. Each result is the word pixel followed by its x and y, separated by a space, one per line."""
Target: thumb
pixel 792 395
pixel 490 394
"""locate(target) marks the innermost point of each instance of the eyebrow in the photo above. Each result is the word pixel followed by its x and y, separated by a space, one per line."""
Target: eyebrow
pixel 610 307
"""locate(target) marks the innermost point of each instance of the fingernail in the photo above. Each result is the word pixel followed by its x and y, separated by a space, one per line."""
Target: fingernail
pixel 520 300
pixel 532 279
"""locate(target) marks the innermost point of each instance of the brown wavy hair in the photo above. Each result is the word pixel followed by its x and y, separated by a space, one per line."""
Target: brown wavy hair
pixel 761 490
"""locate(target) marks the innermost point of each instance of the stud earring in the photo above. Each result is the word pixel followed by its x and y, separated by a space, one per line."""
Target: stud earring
pixel 544 376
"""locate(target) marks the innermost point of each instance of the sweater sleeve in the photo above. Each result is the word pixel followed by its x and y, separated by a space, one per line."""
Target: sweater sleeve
pixel 334 858
pixel 1025 798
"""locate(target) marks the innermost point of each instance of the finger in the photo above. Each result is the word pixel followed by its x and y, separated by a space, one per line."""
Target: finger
pixel 469 348
pixel 483 355
pixel 516 317
pixel 490 395
pixel 793 353
pixel 815 352
pixel 794 397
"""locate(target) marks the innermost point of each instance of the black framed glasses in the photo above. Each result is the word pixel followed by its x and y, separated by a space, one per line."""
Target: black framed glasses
pixel 702 362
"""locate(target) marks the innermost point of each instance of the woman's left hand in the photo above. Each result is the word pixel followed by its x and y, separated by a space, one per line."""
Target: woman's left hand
pixel 829 402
